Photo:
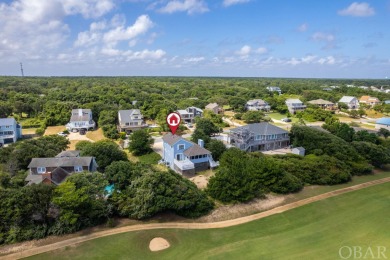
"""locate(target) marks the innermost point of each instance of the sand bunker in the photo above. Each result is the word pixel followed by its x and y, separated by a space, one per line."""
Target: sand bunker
pixel 158 243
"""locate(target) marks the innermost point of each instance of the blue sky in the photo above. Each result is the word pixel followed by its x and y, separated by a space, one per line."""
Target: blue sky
pixel 243 38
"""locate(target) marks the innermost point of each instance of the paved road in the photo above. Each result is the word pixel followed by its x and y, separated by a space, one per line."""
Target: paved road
pixel 180 225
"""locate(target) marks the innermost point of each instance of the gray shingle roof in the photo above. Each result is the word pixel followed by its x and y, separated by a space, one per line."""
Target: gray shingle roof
pixel 262 128
pixel 70 153
pixel 126 114
pixel 84 117
pixel 196 150
pixel 171 139
pixel 60 162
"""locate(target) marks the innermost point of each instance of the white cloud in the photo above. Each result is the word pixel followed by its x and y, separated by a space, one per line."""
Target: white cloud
pixel 358 9
pixel 303 27
pixel 244 51
pixel 227 3
pixel 120 33
pixel 87 8
pixel 189 6
pixel 194 59
pixel 262 50
pixel 320 36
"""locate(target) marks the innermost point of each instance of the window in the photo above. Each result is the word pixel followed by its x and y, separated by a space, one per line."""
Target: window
pixel 181 146
pixel 41 170
pixel 78 168
pixel 127 123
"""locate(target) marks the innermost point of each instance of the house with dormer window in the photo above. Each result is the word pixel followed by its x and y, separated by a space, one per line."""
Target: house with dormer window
pixel 55 170
pixel 130 120
pixel 81 119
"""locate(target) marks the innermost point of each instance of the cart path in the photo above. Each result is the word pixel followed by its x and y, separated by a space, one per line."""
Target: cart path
pixel 175 225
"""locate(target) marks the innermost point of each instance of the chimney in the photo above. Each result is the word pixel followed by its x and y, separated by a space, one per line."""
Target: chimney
pixel 201 143
pixel 80 112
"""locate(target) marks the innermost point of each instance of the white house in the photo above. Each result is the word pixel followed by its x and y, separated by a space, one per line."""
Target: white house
pixel 257 105
pixel 130 120
pixel 351 102
pixel 10 130
pixel 274 89
pixel 383 122
pixel 188 115
pixel 295 105
pixel 81 119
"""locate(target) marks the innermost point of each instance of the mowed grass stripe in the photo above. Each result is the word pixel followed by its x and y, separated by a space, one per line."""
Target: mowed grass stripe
pixel 313 231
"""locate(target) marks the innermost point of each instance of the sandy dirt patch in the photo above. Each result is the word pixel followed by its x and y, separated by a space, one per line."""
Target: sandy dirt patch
pixel 158 244
pixel 53 130
pixel 96 135
pixel 200 181
pixel 226 212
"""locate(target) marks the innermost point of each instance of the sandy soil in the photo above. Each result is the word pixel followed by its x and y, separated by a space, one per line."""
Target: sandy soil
pixel 53 130
pixel 226 212
pixel 200 181
pixel 30 248
pixel 158 244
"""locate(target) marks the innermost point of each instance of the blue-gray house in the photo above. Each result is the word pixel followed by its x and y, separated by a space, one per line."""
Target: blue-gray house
pixel 10 130
pixel 186 157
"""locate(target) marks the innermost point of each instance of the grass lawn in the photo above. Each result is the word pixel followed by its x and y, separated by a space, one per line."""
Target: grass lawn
pixel 314 231
pixel 276 115
pixel 96 135
pixel 374 114
pixel 150 158
pixel 53 130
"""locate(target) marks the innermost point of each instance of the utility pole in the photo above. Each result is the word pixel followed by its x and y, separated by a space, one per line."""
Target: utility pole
pixel 21 69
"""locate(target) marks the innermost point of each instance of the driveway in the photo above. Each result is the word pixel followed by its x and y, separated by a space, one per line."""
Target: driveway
pixel 77 137
pixel 158 145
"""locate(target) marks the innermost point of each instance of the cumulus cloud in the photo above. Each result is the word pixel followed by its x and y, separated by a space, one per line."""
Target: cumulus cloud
pixel 189 6
pixel 120 33
pixel 228 3
pixel 358 9
pixel 244 51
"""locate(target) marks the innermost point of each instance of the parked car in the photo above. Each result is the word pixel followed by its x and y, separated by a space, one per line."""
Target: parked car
pixel 286 119
pixel 62 134
pixel 189 125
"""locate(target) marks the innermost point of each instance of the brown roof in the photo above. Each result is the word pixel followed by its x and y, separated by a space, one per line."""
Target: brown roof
pixel 196 150
pixel 320 102
pixel 59 175
pixel 212 106
pixel 368 98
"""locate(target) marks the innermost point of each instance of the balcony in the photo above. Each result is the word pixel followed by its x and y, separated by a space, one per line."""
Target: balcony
pixel 184 164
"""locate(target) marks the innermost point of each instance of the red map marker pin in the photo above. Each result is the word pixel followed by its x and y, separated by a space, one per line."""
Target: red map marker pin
pixel 173 120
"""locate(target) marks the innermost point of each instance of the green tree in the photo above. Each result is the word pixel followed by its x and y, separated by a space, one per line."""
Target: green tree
pixel 376 154
pixel 251 117
pixel 122 173
pixel 217 148
pixel 140 143
pixel 384 132
pixel 105 152
pixel 208 127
